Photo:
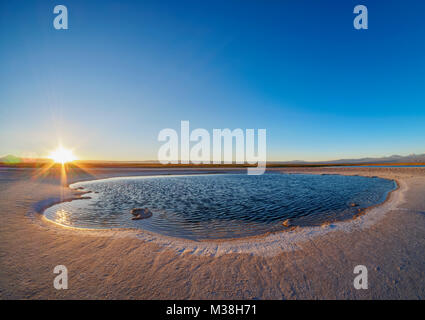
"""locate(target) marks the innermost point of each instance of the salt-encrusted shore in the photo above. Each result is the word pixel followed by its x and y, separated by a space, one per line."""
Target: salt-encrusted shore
pixel 306 263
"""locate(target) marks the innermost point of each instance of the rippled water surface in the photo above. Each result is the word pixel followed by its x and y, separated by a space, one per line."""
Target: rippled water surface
pixel 222 205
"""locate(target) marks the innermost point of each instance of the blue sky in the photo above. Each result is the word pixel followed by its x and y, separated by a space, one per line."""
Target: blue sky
pixel 125 70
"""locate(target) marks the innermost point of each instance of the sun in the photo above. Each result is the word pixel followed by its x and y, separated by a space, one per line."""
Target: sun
pixel 62 155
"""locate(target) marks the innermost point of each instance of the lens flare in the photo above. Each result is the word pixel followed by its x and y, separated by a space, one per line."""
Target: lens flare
pixel 62 155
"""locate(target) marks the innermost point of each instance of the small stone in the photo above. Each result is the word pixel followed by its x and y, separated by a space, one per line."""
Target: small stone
pixel 325 224
pixel 286 223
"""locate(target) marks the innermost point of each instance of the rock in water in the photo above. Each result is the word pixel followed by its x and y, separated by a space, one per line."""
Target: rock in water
pixel 140 213
pixel 136 211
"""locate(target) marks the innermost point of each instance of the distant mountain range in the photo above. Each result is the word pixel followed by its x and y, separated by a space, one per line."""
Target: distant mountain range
pixel 10 159
pixel 412 158
pixel 394 159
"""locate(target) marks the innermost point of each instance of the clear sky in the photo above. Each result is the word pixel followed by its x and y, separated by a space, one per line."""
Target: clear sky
pixel 124 70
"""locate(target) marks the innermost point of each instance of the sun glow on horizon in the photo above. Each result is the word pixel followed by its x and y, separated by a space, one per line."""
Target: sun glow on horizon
pixel 62 155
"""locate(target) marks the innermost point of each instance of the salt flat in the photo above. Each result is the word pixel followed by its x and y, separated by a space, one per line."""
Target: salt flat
pixel 389 240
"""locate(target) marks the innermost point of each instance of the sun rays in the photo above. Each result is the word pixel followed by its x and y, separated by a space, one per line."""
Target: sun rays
pixel 62 155
pixel 61 166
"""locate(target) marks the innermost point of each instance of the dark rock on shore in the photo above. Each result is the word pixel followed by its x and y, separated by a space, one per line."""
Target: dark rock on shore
pixel 286 223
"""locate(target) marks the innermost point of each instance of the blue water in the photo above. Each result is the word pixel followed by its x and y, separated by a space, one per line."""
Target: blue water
pixel 221 205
